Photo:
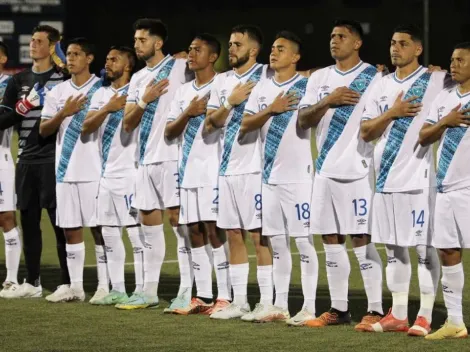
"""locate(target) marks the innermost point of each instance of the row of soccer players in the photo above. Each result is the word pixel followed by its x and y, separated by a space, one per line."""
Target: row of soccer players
pixel 263 115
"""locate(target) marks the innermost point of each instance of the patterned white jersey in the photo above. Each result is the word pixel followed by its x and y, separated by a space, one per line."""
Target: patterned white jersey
pixel 77 155
pixel 401 163
pixel 152 145
pixel 240 155
pixel 287 157
pixel 342 154
pixel 198 161
pixel 453 167
pixel 6 160
pixel 117 147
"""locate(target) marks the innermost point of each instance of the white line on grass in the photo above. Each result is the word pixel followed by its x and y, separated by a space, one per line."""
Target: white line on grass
pixel 173 261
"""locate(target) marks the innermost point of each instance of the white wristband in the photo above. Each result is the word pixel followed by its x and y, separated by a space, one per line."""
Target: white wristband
pixel 142 104
pixel 227 105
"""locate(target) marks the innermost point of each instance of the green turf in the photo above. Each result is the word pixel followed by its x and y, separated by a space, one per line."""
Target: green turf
pixel 36 325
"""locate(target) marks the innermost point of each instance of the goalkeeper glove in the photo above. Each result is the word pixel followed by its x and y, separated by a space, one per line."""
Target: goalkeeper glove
pixel 34 99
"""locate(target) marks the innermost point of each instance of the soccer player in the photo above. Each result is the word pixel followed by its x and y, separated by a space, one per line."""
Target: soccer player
pixel 198 170
pixel 118 171
pixel 151 91
pixel 448 121
pixel 64 111
pixel 287 180
pixel 405 178
pixel 35 170
pixel 342 191
pixel 240 171
pixel 11 232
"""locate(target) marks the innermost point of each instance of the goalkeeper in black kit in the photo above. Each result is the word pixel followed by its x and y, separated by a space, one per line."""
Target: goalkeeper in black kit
pixel 35 169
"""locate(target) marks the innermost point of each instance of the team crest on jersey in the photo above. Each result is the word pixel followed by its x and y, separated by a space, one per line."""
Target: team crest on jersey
pixel 418 90
pixel 359 84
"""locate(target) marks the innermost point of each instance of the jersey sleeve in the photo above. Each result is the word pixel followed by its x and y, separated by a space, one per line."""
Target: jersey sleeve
pixel 96 100
pixel 214 100
pixel 131 92
pixel 174 107
pixel 50 103
pixel 433 116
pixel 371 109
pixel 252 106
pixel 311 93
pixel 10 96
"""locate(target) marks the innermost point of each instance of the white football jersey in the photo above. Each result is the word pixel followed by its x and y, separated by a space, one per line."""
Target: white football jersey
pixel 453 168
pixel 117 147
pixel 287 157
pixel 198 161
pixel 342 154
pixel 239 155
pixel 401 163
pixel 152 146
pixel 77 155
pixel 6 160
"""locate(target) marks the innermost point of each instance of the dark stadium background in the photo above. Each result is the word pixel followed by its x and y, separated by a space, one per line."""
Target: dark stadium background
pixel 109 22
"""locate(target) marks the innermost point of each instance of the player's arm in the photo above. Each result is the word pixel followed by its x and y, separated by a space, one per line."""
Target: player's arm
pixel 311 116
pixel 133 112
pixel 174 128
pixel 282 103
pixel 374 128
pixel 216 118
pixel 49 125
pixel 432 132
pixel 8 115
pixel 95 118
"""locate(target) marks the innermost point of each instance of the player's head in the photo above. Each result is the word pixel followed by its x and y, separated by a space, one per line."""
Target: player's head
pixel 3 54
pixel 460 63
pixel 80 54
pixel 285 51
pixel 345 39
pixel 121 60
pixel 43 37
pixel 204 50
pixel 406 45
pixel 149 37
pixel 245 43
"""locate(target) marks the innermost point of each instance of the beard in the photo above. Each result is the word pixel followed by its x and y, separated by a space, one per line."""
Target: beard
pixel 240 61
pixel 147 56
pixel 114 75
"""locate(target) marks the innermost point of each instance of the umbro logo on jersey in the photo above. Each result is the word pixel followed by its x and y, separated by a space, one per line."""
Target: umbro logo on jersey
pixel 324 88
pixel 361 221
pixel 25 88
pixel 383 98
pixel 223 92
pixel 262 99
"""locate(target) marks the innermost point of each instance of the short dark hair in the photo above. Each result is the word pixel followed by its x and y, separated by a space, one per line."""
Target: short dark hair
pixel 4 48
pixel 211 41
pixel 291 36
pixel 84 43
pixel 353 26
pixel 130 53
pixel 411 29
pixel 154 26
pixel 463 45
pixel 52 33
pixel 253 32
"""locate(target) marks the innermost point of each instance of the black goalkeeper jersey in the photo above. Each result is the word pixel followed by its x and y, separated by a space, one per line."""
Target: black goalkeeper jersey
pixel 32 148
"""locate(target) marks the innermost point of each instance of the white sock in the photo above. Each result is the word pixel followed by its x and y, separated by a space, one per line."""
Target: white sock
pixel 136 236
pixel 222 273
pixel 12 253
pixel 428 275
pixel 202 272
pixel 398 274
pixel 371 271
pixel 75 264
pixel 309 271
pixel 183 248
pixel 452 287
pixel 210 253
pixel 154 254
pixel 102 268
pixel 338 269
pixel 239 278
pixel 282 268
pixel 115 255
pixel 265 282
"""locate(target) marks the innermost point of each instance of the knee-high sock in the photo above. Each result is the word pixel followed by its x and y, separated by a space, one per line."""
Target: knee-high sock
pixel 116 256
pixel 452 287
pixel 136 236
pixel 12 253
pixel 282 268
pixel 183 248
pixel 309 271
pixel 428 275
pixel 398 274
pixel 338 269
pixel 154 254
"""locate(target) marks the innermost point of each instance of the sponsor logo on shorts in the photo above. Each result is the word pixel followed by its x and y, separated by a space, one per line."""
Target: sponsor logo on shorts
pixel 215 210
pixel 306 224
pixel 419 233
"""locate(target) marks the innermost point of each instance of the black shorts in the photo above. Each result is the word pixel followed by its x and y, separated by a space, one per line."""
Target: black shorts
pixel 35 186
